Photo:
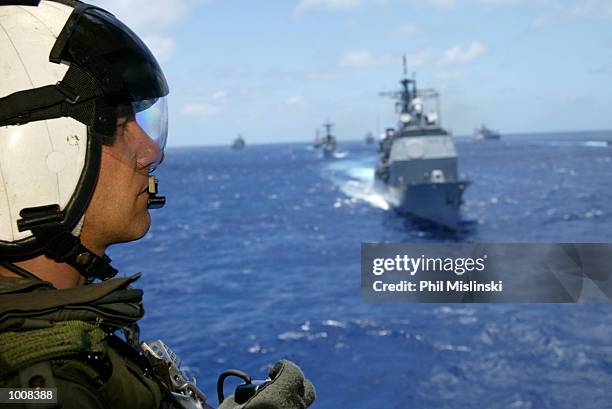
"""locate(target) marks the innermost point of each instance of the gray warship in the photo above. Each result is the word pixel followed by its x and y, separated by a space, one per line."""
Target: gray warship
pixel 484 133
pixel 369 138
pixel 418 171
pixel 239 143
pixel 328 142
pixel 317 140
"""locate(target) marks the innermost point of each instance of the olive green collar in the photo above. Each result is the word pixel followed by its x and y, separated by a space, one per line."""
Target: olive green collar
pixel 28 304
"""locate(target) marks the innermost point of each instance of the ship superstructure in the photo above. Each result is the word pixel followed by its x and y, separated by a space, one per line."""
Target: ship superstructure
pixel 418 161
pixel 238 143
pixel 328 142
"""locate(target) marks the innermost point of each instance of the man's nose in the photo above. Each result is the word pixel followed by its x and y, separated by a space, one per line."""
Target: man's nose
pixel 148 154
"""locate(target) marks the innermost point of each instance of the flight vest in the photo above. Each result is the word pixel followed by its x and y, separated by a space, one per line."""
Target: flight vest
pixel 67 339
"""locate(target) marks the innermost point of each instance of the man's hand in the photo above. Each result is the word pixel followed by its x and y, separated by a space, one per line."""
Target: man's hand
pixel 288 389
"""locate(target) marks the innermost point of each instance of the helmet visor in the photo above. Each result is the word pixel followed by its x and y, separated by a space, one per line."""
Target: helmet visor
pixel 143 126
pixel 127 72
pixel 113 54
pixel 154 122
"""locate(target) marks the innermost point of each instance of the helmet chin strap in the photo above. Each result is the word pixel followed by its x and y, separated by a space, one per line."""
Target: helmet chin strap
pixel 60 245
pixel 18 270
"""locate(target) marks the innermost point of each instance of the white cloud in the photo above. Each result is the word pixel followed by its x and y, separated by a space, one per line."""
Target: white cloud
pixel 161 46
pixel 588 8
pixel 499 2
pixel 407 30
pixel 418 59
pixel 149 15
pixel 443 77
pixel 152 20
pixel 452 4
pixel 203 110
pixel 363 58
pixel 208 106
pixel 306 5
pixel 462 55
pixel 295 100
pixel 443 4
pixel 219 95
pixel 557 11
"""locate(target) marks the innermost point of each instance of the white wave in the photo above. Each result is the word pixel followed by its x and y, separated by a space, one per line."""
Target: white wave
pixel 591 144
pixel 366 193
pixel 596 144
pixel 361 174
pixel 291 336
pixel 334 323
pixel 340 155
pixel 355 178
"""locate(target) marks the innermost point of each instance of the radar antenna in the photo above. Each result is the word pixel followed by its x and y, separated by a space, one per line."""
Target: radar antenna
pixel 410 102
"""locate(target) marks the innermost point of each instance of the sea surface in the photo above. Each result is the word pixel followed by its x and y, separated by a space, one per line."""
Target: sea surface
pixel 256 257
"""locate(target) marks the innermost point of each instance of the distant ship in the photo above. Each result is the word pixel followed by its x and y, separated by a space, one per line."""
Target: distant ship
pixel 328 142
pixel 483 133
pixel 369 138
pixel 418 168
pixel 239 143
pixel 317 140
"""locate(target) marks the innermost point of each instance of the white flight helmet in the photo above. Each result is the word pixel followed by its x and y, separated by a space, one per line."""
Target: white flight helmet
pixel 66 68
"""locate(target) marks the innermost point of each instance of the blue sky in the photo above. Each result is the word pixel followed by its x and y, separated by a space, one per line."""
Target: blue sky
pixel 275 70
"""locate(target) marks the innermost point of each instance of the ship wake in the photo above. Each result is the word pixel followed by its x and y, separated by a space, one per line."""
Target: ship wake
pixel 355 178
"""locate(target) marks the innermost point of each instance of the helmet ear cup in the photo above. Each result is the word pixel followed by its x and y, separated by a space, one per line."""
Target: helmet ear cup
pixel 60 169
pixel 42 162
pixel 53 161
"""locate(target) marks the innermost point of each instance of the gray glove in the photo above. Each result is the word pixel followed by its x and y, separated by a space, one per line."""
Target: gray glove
pixel 288 389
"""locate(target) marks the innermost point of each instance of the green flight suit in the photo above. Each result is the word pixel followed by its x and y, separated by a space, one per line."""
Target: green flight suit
pixel 65 339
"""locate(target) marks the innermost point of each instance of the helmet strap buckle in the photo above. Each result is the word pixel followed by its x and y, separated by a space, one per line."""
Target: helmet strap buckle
pixel 60 245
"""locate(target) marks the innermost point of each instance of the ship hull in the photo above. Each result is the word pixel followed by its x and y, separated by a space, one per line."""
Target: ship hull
pixel 438 203
pixel 328 151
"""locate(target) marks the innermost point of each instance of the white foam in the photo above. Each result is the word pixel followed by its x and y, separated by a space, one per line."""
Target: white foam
pixel 362 174
pixel 355 178
pixel 596 144
pixel 360 192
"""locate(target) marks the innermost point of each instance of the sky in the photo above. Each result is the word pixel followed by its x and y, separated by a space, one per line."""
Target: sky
pixel 274 70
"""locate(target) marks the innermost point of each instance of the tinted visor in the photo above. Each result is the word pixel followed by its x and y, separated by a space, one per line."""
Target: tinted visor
pixel 124 67
pixel 142 128
pixel 152 117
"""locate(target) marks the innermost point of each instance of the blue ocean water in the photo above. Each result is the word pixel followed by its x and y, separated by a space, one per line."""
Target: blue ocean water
pixel 256 257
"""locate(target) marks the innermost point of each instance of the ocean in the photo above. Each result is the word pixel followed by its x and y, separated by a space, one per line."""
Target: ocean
pixel 256 258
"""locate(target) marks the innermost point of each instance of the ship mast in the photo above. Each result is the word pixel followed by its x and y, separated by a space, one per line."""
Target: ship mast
pixel 407 95
pixel 328 125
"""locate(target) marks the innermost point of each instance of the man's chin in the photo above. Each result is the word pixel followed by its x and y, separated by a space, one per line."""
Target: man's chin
pixel 146 225
pixel 138 229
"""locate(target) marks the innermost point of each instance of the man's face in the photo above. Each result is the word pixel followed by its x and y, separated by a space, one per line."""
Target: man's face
pixel 118 209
